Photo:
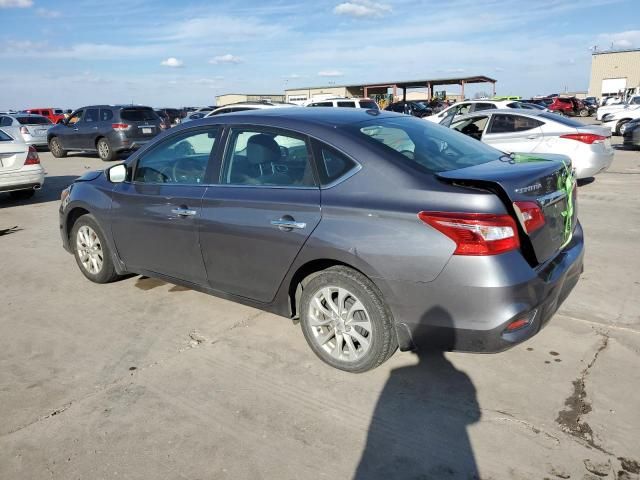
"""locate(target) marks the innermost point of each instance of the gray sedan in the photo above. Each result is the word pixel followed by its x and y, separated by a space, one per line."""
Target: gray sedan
pixel 31 128
pixel 377 230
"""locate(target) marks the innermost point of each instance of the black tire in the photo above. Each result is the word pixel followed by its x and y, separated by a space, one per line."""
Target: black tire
pixel 105 152
pixel 619 124
pixel 56 148
pixel 584 112
pixel 382 338
pixel 107 272
pixel 22 194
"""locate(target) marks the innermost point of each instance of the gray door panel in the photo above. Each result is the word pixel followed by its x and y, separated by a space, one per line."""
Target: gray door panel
pixel 151 234
pixel 244 252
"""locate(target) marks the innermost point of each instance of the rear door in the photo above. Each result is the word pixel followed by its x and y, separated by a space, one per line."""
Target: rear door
pixel 256 220
pixel 513 133
pixel 156 214
pixel 88 129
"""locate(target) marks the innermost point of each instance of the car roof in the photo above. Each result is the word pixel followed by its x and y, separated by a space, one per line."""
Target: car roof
pixel 310 116
pixel 507 111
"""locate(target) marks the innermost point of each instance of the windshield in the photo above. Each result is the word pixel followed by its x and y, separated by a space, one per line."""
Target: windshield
pixel 425 145
pixel 138 114
pixel 33 120
pixel 569 122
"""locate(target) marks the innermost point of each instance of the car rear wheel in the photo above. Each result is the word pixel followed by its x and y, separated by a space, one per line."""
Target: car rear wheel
pixel 345 320
pixel 56 148
pixel 105 152
pixel 584 112
pixel 91 251
pixel 22 194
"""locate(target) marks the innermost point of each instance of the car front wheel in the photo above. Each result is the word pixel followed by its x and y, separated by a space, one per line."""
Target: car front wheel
pixel 91 251
pixel 55 147
pixel 345 320
pixel 619 129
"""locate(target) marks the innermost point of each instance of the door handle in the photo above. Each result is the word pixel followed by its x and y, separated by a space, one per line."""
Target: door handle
pixel 184 212
pixel 75 129
pixel 288 225
pixel 532 137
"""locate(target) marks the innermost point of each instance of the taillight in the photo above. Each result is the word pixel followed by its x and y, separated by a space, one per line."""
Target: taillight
pixel 475 233
pixel 32 157
pixel 120 126
pixel 24 130
pixel 530 215
pixel 585 137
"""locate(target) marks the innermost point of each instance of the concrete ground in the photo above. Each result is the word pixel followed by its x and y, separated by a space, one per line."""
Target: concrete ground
pixel 143 380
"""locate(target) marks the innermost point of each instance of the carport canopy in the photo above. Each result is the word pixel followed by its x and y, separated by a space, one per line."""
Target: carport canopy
pixel 429 84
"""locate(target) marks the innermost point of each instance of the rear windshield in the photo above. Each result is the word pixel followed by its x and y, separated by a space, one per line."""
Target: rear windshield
pixel 569 122
pixel 138 114
pixel 425 145
pixel 370 104
pixel 33 120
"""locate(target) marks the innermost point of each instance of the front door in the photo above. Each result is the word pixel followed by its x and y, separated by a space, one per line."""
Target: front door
pixel 156 215
pixel 88 129
pixel 69 136
pixel 255 222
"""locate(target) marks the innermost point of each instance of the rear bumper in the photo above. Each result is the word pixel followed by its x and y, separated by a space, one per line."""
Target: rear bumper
pixel 31 176
pixel 469 305
pixel 588 163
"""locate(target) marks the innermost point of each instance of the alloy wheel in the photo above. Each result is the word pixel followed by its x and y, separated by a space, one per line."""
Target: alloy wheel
pixel 89 249
pixel 340 323
pixel 103 149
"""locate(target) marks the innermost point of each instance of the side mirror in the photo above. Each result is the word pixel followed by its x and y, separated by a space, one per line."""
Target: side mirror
pixel 117 173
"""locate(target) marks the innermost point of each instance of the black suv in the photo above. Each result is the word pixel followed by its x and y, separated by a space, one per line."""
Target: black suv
pixel 105 129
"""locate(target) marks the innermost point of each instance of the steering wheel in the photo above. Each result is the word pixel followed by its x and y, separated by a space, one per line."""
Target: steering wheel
pixel 187 170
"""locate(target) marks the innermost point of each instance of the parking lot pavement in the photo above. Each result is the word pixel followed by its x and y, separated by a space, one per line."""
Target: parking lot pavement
pixel 142 379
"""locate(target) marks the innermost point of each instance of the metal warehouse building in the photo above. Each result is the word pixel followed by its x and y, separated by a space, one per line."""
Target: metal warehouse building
pixel 227 98
pixel 614 72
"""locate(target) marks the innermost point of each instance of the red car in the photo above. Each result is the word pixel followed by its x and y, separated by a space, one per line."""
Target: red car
pixel 570 106
pixel 56 115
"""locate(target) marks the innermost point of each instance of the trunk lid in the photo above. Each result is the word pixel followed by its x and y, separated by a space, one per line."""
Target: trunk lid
pixel 547 180
pixel 12 156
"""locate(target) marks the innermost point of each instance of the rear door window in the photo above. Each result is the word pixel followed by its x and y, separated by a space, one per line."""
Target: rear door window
pixel 267 158
pixel 106 115
pixel 349 104
pixel 512 123
pixel 322 104
pixel 92 115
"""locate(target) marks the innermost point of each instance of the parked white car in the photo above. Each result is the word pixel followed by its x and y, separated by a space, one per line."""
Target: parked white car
pixel 616 121
pixel 21 173
pixel 531 131
pixel 31 128
pixel 471 106
pixel 344 102
pixel 633 101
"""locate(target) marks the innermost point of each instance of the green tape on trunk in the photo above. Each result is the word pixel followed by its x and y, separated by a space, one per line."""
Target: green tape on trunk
pixel 565 183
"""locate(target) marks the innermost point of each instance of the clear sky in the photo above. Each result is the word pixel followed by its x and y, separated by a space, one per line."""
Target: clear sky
pixel 184 52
